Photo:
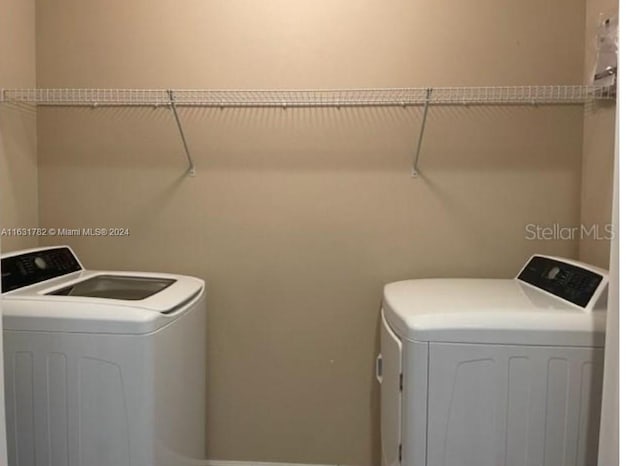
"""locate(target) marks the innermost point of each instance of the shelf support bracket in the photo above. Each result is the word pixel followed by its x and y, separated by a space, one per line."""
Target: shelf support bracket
pixel 172 103
pixel 416 159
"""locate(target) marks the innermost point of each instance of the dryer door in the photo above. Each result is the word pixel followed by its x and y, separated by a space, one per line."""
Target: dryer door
pixel 390 377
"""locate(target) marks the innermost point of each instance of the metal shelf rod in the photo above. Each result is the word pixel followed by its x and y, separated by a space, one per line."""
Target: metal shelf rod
pixel 415 171
pixel 192 169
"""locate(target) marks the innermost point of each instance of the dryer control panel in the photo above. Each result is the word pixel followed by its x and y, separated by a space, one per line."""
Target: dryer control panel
pixel 30 267
pixel 568 281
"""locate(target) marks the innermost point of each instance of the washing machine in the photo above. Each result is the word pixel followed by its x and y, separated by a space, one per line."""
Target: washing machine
pixel 102 368
pixel 494 372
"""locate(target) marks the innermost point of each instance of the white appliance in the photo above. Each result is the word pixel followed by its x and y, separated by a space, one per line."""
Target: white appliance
pixel 494 372
pixel 101 368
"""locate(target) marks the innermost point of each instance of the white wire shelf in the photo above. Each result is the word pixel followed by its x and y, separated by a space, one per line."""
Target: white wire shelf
pixel 502 95
pixel 283 98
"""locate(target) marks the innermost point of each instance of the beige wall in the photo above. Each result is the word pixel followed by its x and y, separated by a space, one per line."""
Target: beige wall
pixel 598 143
pixel 18 157
pixel 296 218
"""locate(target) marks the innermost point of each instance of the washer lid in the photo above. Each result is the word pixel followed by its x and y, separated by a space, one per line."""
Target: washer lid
pixel 116 287
pixel 101 302
pixel 499 311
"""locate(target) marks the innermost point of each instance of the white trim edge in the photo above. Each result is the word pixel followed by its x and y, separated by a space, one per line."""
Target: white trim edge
pixel 259 463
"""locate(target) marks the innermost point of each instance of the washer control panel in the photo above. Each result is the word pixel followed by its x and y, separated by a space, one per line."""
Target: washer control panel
pixel 26 269
pixel 570 282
